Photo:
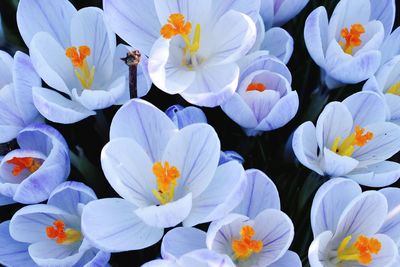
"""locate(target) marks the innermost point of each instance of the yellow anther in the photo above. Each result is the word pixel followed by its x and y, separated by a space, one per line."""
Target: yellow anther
pixel 394 89
pixel 358 138
pixel 361 251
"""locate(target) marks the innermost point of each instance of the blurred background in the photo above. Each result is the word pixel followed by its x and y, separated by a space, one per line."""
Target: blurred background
pixel 270 152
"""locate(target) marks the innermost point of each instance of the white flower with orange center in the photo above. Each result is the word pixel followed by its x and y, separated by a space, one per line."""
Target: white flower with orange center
pixel 76 54
pixel 351 139
pixel 347 46
pixel 192 46
pixel 165 175
pixel 358 229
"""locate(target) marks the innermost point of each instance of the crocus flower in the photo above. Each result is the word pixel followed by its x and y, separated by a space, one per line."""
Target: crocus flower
pixel 347 48
pixel 75 53
pixel 352 228
pixel 50 234
pixel 166 176
pixel 192 45
pixel 351 140
pixel 183 117
pixel 258 234
pixel 17 77
pixel 264 99
pixel 278 12
pixel 198 258
pixel 386 82
pixel 30 173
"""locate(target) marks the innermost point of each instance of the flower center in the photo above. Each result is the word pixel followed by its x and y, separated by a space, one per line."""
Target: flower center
pixel 246 246
pixel 394 89
pixel 256 87
pixel 351 38
pixel 178 26
pixel 78 59
pixel 61 235
pixel 29 163
pixel 166 181
pixel 358 138
pixel 361 251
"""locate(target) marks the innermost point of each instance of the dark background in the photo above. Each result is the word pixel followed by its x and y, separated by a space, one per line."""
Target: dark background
pixel 270 152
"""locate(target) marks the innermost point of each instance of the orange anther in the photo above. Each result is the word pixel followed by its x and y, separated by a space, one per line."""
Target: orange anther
pixel 256 87
pixel 78 59
pixel 361 139
pixel 246 246
pixel 352 37
pixel 57 231
pixel 176 26
pixel 23 163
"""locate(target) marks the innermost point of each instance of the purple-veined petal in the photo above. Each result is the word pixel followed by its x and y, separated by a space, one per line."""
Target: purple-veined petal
pixel 279 43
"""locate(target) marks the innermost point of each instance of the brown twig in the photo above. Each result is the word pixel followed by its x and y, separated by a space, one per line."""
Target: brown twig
pixel 132 59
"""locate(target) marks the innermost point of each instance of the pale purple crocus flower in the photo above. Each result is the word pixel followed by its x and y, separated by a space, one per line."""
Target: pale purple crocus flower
pixel 264 100
pixel 278 12
pixel 347 47
pixel 351 139
pixel 17 77
pixel 166 176
pixel 184 116
pixel 75 53
pixel 352 228
pixel 386 83
pixel 30 173
pixel 50 234
pixel 257 218
pixel 196 258
pixel 199 60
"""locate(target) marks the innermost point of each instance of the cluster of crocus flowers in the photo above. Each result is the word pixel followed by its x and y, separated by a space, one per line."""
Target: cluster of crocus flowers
pixel 347 47
pixel 75 53
pixel 50 234
pixel 264 99
pixel 17 77
pixel 165 175
pixel 351 139
pixel 30 173
pixel 242 237
pixel 359 230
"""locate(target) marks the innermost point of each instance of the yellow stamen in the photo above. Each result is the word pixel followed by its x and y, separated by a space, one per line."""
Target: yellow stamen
pixel 246 246
pixel 361 251
pixel 176 25
pixel 358 138
pixel 166 181
pixel 352 37
pixel 394 89
pixel 61 235
pixel 82 71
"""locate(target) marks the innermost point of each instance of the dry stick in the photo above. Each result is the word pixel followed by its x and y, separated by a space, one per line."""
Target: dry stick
pixel 132 59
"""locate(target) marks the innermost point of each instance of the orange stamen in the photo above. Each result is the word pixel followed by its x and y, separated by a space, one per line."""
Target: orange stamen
pixel 246 246
pixel 57 231
pixel 78 59
pixel 361 251
pixel 166 181
pixel 256 87
pixel 21 164
pixel 361 139
pixel 352 37
pixel 176 26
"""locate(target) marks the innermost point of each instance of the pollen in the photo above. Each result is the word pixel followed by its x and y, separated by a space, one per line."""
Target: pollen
pixel 176 26
pixel 256 87
pixel 351 38
pixel 23 163
pixel 244 247
pixel 358 138
pixel 361 251
pixel 61 235
pixel 78 59
pixel 166 178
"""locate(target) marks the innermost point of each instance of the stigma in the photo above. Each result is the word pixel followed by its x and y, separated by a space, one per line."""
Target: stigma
pixel 358 138
pixel 61 235
pixel 166 177
pixel 351 38
pixel 177 26
pixel 78 59
pixel 256 87
pixel 361 251
pixel 24 163
pixel 244 247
